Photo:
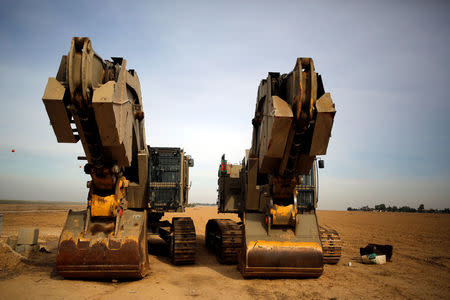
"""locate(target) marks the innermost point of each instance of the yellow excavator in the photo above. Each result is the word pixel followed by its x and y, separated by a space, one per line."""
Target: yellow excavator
pixel 99 102
pixel 274 190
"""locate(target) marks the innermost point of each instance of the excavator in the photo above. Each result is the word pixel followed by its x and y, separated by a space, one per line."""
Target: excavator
pixel 274 190
pixel 132 184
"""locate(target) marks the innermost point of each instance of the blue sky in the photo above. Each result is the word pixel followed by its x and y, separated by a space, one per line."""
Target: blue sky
pixel 386 65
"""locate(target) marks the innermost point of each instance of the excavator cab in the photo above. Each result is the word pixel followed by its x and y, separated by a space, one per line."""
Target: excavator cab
pixel 306 191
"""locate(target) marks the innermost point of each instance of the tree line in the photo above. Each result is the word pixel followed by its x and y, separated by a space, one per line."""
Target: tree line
pixel 383 207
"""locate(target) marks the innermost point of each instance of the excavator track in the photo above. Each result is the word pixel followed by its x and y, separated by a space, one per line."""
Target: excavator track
pixel 331 245
pixel 183 243
pixel 99 103
pixel 224 238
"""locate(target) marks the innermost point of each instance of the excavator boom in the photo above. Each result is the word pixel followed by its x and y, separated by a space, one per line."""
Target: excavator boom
pixel 274 189
pixel 99 103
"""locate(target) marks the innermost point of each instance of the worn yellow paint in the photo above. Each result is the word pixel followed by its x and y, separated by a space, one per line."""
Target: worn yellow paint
pixel 275 244
pixel 283 214
pixel 108 206
pixel 103 206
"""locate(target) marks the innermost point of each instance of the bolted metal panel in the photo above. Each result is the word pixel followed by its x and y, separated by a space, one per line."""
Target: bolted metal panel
pixel 56 110
pixel 103 104
pixel 168 176
pixel 114 120
pixel 323 126
pixel 276 123
pixel 252 199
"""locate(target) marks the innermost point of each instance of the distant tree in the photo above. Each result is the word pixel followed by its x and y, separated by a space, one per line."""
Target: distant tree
pixel 404 209
pixel 421 208
pixel 407 209
pixel 381 207
pixel 365 208
pixel 349 208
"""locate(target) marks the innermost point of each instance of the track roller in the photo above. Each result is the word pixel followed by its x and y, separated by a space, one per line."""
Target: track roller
pixel 331 245
pixel 224 238
pixel 183 241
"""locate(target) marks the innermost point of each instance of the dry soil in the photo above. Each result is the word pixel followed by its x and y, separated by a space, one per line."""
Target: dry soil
pixel 420 268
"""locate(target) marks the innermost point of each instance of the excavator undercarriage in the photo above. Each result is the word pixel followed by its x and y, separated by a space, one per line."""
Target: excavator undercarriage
pixel 224 237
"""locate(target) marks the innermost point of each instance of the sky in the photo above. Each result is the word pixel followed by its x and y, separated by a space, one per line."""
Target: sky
pixel 385 63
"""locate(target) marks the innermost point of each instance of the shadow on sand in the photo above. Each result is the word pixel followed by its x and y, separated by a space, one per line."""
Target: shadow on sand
pixel 160 250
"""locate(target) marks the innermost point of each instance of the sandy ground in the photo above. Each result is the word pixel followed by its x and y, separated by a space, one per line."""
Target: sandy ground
pixel 420 268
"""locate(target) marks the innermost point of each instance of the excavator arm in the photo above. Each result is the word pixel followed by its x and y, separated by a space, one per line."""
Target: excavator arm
pixel 292 124
pixel 293 121
pixel 274 190
pixel 99 103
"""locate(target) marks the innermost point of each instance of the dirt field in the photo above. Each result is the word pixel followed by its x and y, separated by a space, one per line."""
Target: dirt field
pixel 420 267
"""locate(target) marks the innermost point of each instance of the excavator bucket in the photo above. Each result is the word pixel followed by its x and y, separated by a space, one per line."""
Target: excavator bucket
pixel 98 249
pixel 283 259
pixel 281 252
